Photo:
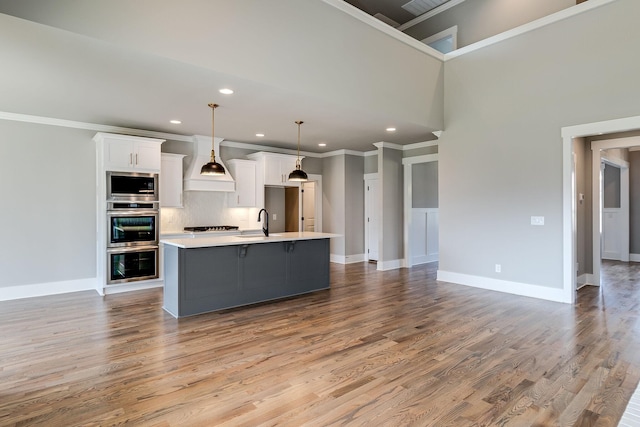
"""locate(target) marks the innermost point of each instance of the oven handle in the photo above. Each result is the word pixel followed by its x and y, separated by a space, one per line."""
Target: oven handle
pixel 132 249
pixel 132 213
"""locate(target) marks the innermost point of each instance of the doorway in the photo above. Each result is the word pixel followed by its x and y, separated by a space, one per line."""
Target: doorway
pixel 569 219
pixel 371 212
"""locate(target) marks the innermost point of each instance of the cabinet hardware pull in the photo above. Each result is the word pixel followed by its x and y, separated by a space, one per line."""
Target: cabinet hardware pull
pixel 131 158
pixel 136 158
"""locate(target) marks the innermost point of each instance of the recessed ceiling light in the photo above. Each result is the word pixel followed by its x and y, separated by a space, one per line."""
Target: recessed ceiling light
pixel 259 135
pixel 226 91
pixel 175 122
pixel 322 144
pixel 391 129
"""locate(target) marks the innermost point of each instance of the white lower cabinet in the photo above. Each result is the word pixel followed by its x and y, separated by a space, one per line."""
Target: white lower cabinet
pixel 171 180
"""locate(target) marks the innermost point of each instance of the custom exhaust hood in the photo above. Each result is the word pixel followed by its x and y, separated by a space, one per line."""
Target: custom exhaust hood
pixel 201 155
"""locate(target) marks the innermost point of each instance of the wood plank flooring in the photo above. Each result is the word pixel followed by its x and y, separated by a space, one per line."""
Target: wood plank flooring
pixel 392 348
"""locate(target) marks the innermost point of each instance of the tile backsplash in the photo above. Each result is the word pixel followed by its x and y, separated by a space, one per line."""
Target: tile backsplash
pixel 206 208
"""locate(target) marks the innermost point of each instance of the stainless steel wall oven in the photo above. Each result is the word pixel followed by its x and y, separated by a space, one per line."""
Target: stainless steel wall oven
pixel 132 241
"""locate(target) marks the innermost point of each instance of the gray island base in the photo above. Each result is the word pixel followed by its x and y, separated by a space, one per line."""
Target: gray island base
pixel 204 275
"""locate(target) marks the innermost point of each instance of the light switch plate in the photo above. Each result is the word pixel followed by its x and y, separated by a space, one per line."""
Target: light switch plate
pixel 537 220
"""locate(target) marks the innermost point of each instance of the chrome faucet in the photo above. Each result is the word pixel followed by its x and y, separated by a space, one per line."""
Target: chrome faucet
pixel 265 226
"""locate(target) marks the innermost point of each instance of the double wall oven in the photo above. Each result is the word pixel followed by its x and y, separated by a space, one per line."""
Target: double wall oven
pixel 132 227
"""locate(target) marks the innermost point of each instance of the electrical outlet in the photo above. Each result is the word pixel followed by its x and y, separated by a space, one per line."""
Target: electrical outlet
pixel 537 220
pixel 498 268
pixel 275 217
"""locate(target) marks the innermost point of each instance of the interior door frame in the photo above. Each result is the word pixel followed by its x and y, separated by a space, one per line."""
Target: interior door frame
pixel 368 177
pixel 407 163
pixel 569 253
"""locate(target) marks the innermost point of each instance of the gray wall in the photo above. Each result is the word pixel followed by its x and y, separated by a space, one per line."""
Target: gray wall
pixel 354 205
pixel 48 185
pixel 333 201
pixel 480 19
pixel 611 187
pixel 275 204
pixel 424 179
pixel 391 171
pixel 501 152
pixel 312 165
pixel 371 164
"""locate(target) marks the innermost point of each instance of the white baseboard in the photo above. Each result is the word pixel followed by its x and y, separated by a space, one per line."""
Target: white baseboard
pixel 585 279
pixel 50 288
pixel 424 259
pixel 133 286
pixel 515 288
pixel 346 259
pixel 634 257
pixel 390 265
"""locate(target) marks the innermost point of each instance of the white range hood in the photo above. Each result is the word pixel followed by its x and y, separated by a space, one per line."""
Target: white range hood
pixel 201 155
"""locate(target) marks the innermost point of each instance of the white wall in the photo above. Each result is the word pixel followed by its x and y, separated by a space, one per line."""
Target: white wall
pixel 48 215
pixel 501 151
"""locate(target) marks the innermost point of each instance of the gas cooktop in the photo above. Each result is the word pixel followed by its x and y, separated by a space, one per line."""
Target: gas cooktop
pixel 203 228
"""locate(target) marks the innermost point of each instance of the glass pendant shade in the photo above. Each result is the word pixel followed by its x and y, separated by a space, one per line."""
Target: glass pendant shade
pixel 298 174
pixel 213 167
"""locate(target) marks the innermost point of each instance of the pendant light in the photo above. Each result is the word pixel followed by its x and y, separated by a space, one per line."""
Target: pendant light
pixel 213 167
pixel 298 174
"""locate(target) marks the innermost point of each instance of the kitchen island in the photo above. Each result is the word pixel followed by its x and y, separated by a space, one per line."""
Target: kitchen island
pixel 214 273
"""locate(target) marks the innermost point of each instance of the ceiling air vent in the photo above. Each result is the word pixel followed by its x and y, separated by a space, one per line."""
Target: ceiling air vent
pixel 418 7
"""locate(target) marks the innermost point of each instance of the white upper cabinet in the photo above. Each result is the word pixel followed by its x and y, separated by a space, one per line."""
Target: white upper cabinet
pixel 171 181
pixel 244 174
pixel 130 153
pixel 274 169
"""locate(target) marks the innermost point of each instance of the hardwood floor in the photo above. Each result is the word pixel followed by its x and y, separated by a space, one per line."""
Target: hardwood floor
pixel 389 348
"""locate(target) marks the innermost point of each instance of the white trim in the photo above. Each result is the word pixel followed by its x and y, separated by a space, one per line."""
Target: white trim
pixel 393 264
pixel 531 26
pixel 267 148
pixel 340 153
pixel 49 288
pixel 133 286
pixel 4 115
pixel 634 257
pixel 430 14
pixel 346 259
pixel 373 175
pixel 420 145
pixel 371 153
pixel 515 288
pixel 585 279
pixel 391 145
pixel 420 159
pixel 383 27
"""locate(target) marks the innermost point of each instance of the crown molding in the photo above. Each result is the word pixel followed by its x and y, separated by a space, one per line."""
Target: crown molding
pixel 419 145
pixel 391 145
pixel 92 126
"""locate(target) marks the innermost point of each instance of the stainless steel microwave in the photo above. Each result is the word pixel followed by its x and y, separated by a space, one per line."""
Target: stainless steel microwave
pixel 132 186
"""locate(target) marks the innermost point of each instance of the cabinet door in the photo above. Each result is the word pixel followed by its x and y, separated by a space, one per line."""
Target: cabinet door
pixel 244 174
pixel 272 172
pixel 147 156
pixel 308 266
pixel 118 155
pixel 171 181
pixel 288 165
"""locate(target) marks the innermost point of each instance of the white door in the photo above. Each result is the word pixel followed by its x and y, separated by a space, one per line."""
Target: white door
pixel 372 207
pixel 308 198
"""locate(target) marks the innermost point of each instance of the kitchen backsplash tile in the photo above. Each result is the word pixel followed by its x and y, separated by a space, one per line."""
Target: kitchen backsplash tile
pixel 206 208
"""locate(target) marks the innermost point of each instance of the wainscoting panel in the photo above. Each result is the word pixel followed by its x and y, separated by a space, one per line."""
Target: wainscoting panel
pixel 424 235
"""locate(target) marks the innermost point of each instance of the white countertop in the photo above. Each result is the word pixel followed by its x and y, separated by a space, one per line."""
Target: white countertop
pixel 205 242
